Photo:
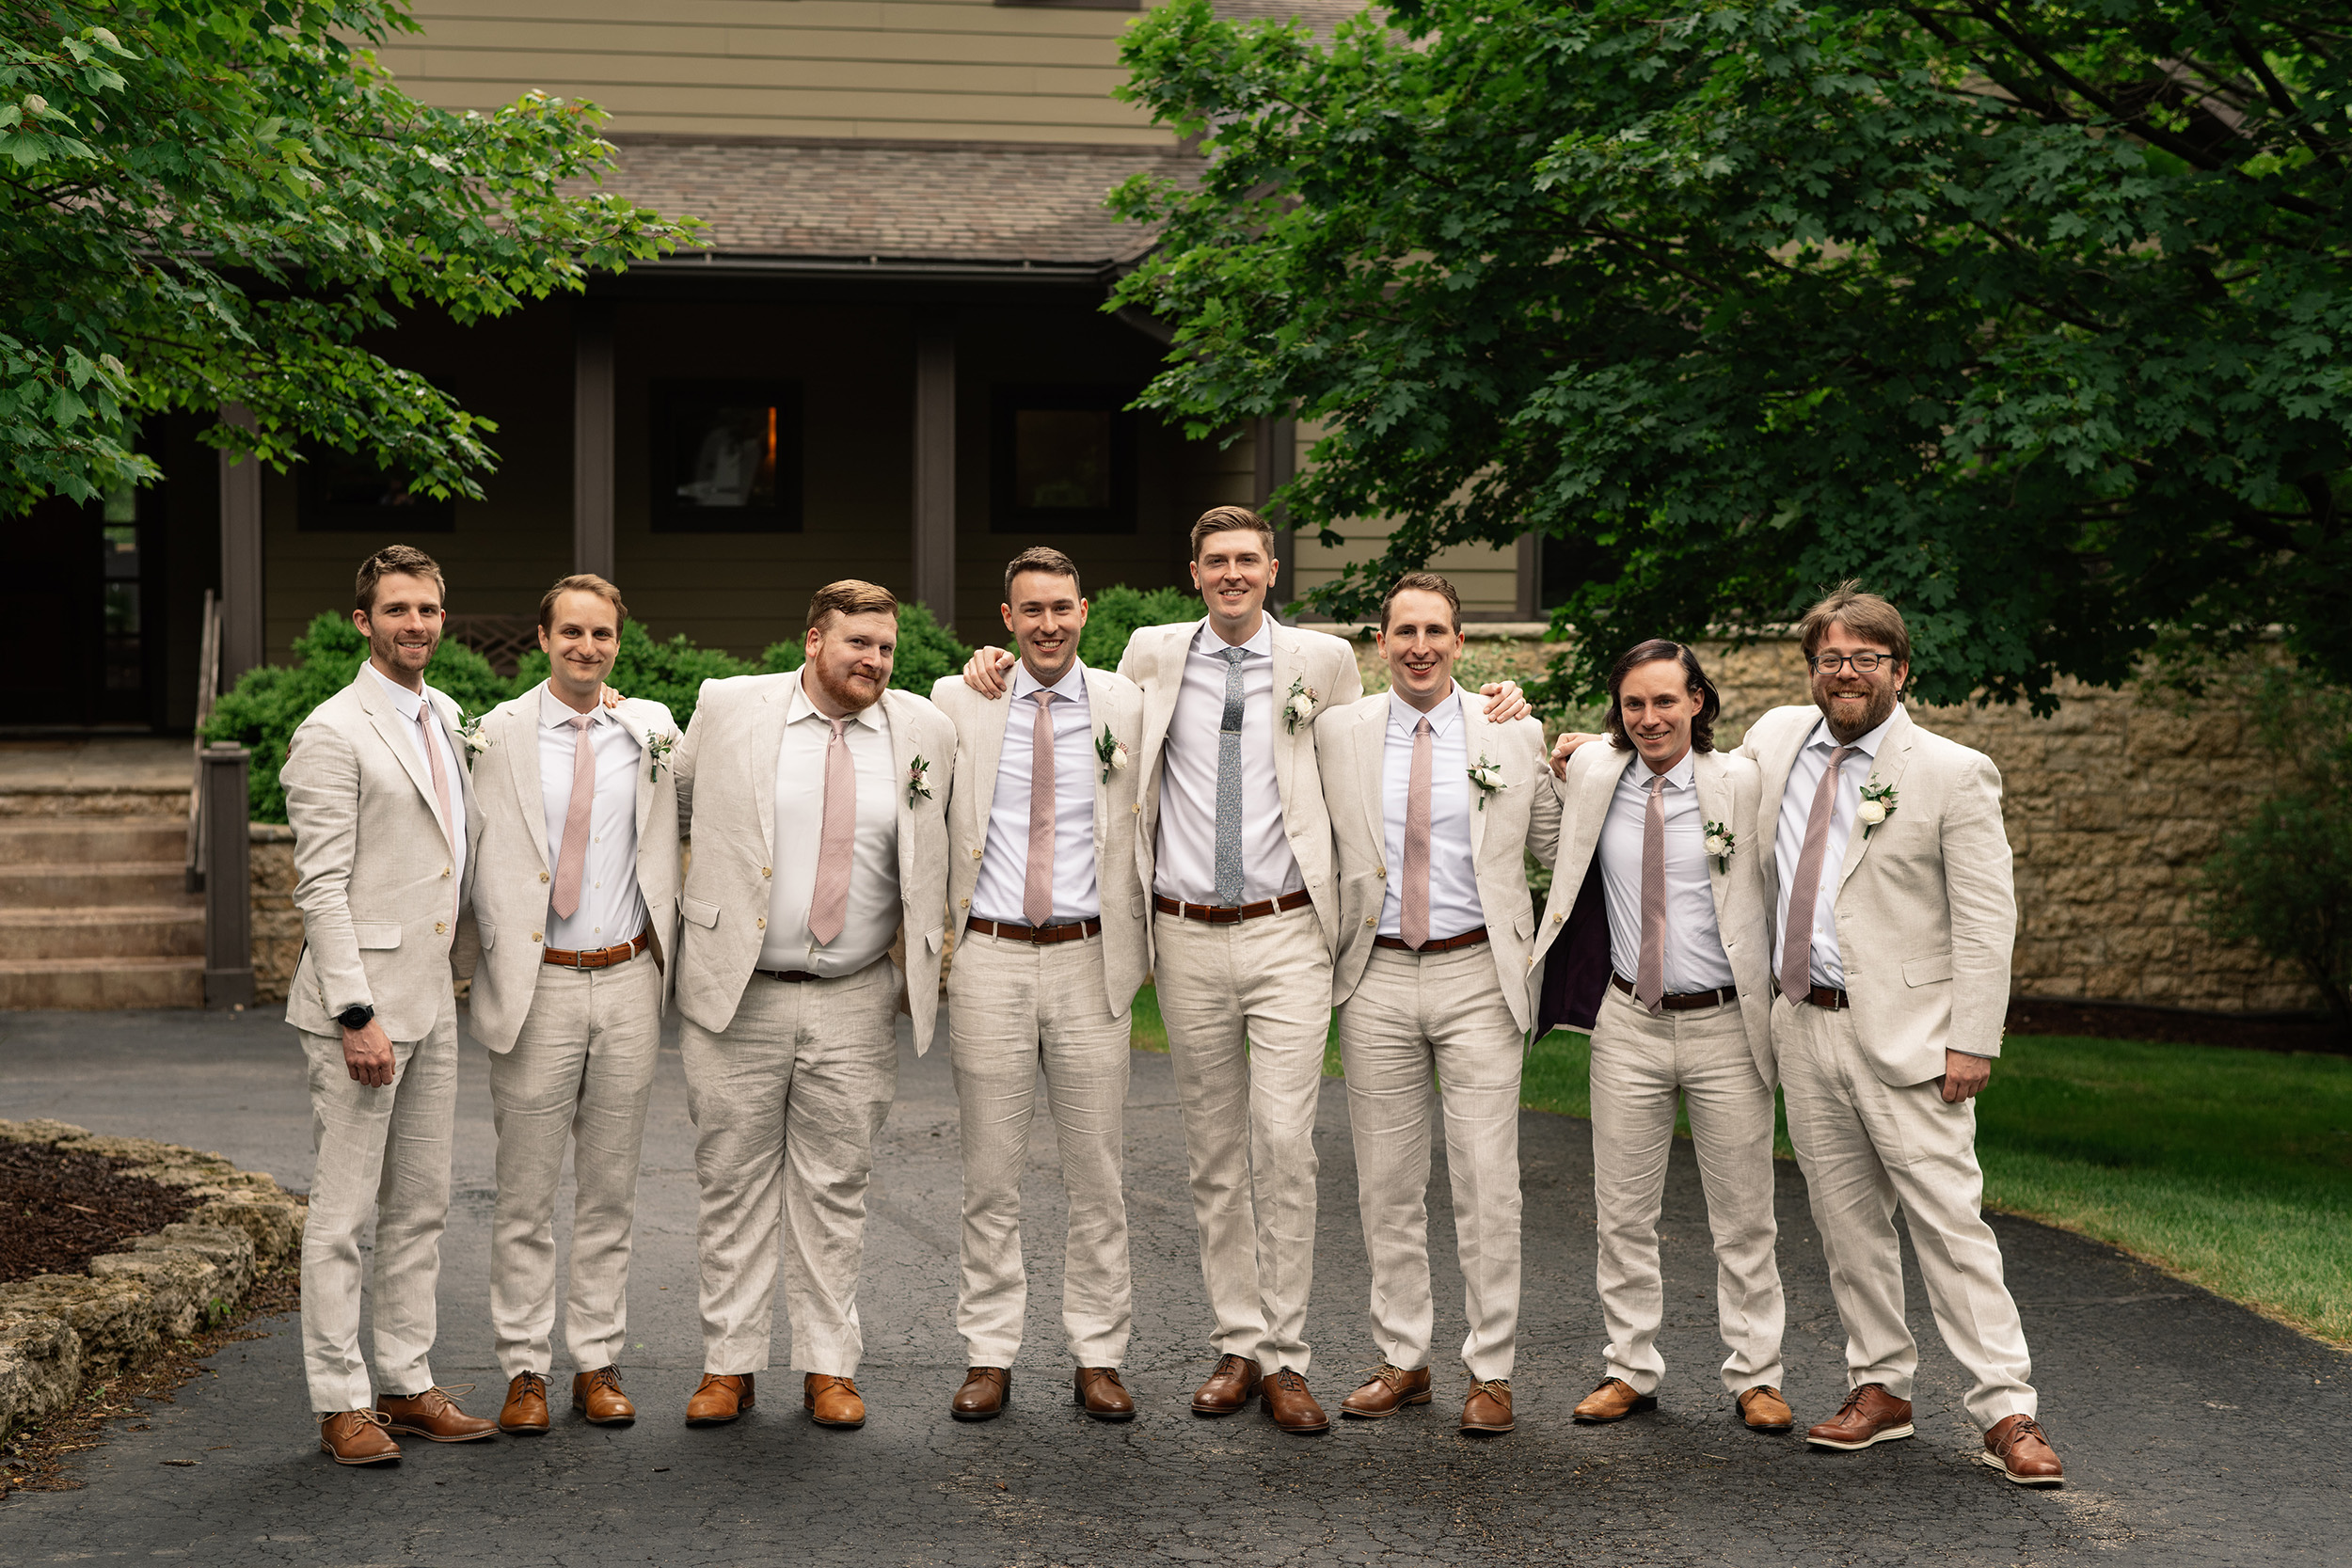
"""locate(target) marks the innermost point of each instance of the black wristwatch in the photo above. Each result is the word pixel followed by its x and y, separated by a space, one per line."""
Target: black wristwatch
pixel 356 1016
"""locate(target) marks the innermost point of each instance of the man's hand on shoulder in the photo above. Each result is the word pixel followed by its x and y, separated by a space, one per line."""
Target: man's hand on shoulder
pixel 984 672
pixel 1965 1076
pixel 1565 748
pixel 1505 703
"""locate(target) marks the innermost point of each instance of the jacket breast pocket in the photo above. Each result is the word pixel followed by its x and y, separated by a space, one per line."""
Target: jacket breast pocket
pixel 1926 970
pixel 489 934
pixel 701 913
pixel 376 936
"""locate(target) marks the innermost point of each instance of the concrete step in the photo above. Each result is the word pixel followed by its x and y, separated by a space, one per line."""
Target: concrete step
pixel 131 931
pixel 19 801
pixel 86 982
pixel 89 884
pixel 51 840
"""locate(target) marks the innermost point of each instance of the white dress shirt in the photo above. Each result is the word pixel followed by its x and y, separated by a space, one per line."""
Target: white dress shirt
pixel 1453 903
pixel 1796 805
pixel 406 704
pixel 873 913
pixel 1695 959
pixel 1187 838
pixel 610 911
pixel 1002 890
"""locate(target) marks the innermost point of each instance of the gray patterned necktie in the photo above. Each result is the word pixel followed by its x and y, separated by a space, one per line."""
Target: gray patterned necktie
pixel 1229 783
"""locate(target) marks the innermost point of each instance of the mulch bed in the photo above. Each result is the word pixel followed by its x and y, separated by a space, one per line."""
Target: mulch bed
pixel 59 1209
pixel 2034 1015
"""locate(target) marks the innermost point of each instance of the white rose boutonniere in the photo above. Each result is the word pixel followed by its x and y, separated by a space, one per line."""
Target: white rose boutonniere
pixel 1111 753
pixel 657 748
pixel 1722 843
pixel 918 781
pixel 1487 775
pixel 1299 706
pixel 469 731
pixel 1878 804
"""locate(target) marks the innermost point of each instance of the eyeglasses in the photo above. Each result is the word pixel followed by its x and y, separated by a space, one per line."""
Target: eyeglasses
pixel 1863 663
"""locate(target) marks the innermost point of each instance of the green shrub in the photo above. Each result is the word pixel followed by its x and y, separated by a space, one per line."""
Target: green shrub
pixel 270 701
pixel 1115 613
pixel 2283 881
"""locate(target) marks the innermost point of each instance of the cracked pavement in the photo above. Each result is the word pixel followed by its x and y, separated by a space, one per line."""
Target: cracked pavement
pixel 2194 1432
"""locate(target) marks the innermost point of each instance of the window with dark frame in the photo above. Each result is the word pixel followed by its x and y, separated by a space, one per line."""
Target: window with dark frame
pixel 726 457
pixel 344 492
pixel 1063 460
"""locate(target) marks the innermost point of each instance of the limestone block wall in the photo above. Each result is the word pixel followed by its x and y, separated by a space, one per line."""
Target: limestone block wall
pixel 2111 804
pixel 276 924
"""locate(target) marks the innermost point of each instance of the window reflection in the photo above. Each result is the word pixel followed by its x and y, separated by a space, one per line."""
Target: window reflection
pixel 727 456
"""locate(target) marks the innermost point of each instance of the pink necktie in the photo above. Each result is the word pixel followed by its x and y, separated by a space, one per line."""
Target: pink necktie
pixel 1796 943
pixel 1413 922
pixel 1037 895
pixel 571 860
pixel 1649 983
pixel 829 904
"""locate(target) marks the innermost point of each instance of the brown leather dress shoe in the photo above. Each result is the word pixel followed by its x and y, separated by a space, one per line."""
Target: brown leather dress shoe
pixel 1612 1401
pixel 1390 1389
pixel 1871 1414
pixel 598 1397
pixel 832 1401
pixel 433 1415
pixel 2019 1450
pixel 1104 1396
pixel 357 1437
pixel 1764 1410
pixel 1229 1388
pixel 983 1395
pixel 1489 1407
pixel 1284 1397
pixel 526 1407
pixel 720 1398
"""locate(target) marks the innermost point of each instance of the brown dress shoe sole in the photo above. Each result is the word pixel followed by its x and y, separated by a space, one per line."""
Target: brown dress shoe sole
pixel 1079 1398
pixel 491 1431
pixel 1775 1427
pixel 842 1426
pixel 1354 1414
pixel 1247 1399
pixel 525 1429
pixel 1489 1427
pixel 328 1449
pixel 716 1420
pixel 2016 1479
pixel 1886 1434
pixel 605 1420
pixel 1642 1402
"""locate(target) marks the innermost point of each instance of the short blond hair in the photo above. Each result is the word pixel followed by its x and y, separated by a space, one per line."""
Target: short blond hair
pixel 849 597
pixel 580 582
pixel 1227 519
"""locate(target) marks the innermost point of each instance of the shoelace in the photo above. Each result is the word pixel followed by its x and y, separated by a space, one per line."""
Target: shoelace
pixel 1493 1385
pixel 1104 1374
pixel 373 1417
pixel 443 1394
pixel 605 1377
pixel 1226 1364
pixel 1289 1381
pixel 531 1384
pixel 1393 1376
pixel 1853 1400
pixel 2023 1430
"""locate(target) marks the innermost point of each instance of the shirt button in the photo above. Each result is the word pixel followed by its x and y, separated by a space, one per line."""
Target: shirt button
pixel 761 923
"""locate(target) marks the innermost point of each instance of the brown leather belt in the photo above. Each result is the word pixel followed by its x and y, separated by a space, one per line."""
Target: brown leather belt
pixel 789 977
pixel 1820 996
pixel 1071 930
pixel 1442 944
pixel 1226 914
pixel 1683 1002
pixel 597 957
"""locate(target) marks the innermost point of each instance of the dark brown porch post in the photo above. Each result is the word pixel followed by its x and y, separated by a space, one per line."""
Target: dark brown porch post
pixel 591 438
pixel 243 634
pixel 935 469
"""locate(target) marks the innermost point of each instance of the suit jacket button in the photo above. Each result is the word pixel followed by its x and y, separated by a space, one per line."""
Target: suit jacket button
pixel 536 936
pixel 763 871
pixel 975 854
pixel 1557 918
pixel 1381 872
pixel 761 923
pixel 543 876
pixel 445 871
pixel 966 903
pixel 440 927
pixel 1369 920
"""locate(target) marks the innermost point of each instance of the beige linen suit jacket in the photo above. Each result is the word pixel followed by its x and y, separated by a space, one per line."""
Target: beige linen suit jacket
pixel 511 888
pixel 1729 788
pixel 1154 661
pixel 1520 819
pixel 371 864
pixel 1927 913
pixel 726 793
pixel 1122 860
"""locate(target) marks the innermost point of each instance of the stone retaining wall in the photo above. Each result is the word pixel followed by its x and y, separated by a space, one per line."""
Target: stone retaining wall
pixel 57 1331
pixel 2111 803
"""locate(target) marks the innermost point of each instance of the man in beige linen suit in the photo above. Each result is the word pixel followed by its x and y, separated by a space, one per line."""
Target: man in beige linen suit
pixel 576 905
pixel 1051 937
pixel 1434 812
pixel 1664 960
pixel 385 826
pixel 1241 939
pixel 1895 923
pixel 817 809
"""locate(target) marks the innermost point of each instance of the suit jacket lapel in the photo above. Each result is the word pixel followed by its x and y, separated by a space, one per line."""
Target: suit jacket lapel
pixel 628 720
pixel 522 735
pixel 1370 737
pixel 1886 768
pixel 1098 719
pixel 988 757
pixel 1590 805
pixel 1477 736
pixel 766 738
pixel 385 715
pixel 902 753
pixel 1160 691
pixel 1714 792
pixel 1286 670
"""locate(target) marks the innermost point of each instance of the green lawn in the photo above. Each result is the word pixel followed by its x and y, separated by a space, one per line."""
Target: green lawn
pixel 2230 1168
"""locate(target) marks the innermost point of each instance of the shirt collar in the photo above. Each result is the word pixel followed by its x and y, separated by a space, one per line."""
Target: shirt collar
pixel 555 712
pixel 1867 745
pixel 870 716
pixel 1261 643
pixel 1680 776
pixel 1070 689
pixel 406 700
pixel 1406 717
